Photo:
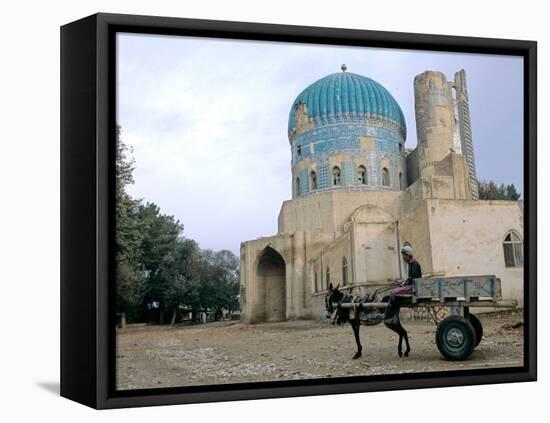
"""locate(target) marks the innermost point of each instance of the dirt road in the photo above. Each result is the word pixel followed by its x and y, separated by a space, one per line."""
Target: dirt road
pixel 231 352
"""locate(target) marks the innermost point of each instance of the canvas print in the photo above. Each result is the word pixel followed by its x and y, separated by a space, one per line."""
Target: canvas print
pixel 292 211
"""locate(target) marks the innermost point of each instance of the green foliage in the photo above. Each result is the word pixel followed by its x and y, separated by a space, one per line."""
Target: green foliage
pixel 131 288
pixel 489 190
pixel 125 163
pixel 157 265
pixel 219 279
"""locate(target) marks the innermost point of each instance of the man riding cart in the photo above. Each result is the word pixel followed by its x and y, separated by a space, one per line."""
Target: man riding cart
pixel 406 286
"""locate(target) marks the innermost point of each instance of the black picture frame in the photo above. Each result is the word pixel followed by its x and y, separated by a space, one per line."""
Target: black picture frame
pixel 87 202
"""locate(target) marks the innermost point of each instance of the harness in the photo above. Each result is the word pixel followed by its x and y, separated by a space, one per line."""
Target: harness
pixel 369 318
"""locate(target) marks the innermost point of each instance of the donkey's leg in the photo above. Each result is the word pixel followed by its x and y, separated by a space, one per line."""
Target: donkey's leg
pixel 355 324
pixel 402 334
pixel 394 327
pixel 400 345
pixel 406 336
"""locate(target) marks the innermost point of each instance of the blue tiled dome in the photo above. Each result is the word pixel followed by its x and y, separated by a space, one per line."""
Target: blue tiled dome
pixel 344 96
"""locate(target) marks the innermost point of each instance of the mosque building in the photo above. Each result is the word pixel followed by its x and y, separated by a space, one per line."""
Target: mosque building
pixel 358 195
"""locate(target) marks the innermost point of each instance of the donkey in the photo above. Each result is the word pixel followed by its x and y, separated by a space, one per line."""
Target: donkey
pixel 362 316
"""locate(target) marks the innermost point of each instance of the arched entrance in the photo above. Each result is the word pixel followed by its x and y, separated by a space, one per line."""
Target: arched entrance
pixel 271 276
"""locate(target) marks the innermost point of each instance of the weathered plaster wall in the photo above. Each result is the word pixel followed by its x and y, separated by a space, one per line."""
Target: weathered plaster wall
pixel 466 239
pixel 331 258
pixel 376 254
pixel 411 164
pixel 328 211
pixel 414 228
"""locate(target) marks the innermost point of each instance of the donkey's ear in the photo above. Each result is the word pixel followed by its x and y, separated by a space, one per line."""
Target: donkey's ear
pixel 337 286
pixel 330 286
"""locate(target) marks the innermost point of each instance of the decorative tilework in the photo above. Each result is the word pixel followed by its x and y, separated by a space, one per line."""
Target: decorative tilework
pixel 304 181
pixel 344 137
pixel 348 174
pixel 323 176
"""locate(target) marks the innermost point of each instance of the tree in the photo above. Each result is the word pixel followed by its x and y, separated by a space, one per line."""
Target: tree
pixel 130 287
pixel 489 190
pixel 511 193
pixel 219 280
pixel 159 254
pixel 180 269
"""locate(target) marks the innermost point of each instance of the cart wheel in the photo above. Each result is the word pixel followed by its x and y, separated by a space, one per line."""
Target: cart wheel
pixel 455 338
pixel 478 328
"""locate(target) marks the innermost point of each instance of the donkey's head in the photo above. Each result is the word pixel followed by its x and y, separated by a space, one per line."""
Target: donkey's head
pixel 332 301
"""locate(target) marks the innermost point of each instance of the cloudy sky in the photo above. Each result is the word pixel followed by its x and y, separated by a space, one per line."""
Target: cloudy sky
pixel 207 120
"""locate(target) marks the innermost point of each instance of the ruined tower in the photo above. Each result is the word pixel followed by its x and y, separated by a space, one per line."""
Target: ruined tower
pixel 444 154
pixel 435 119
pixel 463 111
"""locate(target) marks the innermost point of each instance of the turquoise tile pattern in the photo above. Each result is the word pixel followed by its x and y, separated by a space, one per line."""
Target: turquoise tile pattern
pixel 346 96
pixel 324 176
pixel 355 118
pixel 304 181
pixel 348 174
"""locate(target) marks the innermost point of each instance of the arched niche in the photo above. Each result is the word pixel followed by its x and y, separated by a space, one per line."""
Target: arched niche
pixel 271 278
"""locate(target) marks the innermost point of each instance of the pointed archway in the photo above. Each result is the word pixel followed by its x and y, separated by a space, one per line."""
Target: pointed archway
pixel 271 276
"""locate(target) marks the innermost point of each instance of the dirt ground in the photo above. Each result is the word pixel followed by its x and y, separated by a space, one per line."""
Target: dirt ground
pixel 232 352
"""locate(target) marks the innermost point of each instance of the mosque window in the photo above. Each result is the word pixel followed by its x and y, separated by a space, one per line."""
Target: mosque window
pixel 513 250
pixel 344 271
pixel 385 177
pixel 362 175
pixel 315 281
pixel 336 176
pixel 299 151
pixel 313 177
pixel 328 277
pixel 297 186
pixel 400 147
pixel 400 180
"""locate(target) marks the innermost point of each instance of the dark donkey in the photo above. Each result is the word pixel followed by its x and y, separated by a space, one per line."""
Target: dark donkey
pixel 362 316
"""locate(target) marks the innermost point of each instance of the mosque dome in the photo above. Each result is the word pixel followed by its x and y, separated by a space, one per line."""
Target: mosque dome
pixel 345 97
pixel 346 132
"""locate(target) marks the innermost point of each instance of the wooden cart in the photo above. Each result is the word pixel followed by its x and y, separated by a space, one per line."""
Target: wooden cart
pixel 458 334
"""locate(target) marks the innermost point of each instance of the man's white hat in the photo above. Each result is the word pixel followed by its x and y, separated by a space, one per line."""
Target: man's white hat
pixel 407 249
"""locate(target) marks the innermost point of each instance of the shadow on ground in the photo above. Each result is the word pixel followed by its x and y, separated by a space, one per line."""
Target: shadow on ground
pixel 51 387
